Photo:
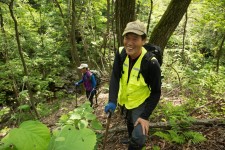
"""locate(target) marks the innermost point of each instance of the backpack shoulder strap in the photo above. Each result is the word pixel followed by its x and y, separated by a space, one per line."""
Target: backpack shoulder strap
pixel 149 56
pixel 123 55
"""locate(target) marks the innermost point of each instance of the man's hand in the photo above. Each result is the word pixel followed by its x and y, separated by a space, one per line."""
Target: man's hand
pixel 76 84
pixel 144 124
pixel 110 107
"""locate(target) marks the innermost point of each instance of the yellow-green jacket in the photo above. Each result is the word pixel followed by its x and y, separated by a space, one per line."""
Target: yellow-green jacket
pixel 135 91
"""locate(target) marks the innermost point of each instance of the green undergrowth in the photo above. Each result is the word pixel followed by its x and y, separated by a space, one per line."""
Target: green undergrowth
pixel 191 88
pixel 74 130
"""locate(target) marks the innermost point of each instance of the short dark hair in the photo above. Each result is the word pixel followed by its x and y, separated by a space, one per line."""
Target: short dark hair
pixel 144 36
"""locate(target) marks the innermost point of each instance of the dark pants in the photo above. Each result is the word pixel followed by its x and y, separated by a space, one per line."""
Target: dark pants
pixel 137 138
pixel 90 96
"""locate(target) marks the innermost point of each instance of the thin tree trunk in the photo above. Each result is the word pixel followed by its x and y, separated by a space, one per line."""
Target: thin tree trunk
pixel 184 35
pixel 149 16
pixel 22 58
pixel 62 15
pixel 5 58
pixel 4 53
pixel 219 54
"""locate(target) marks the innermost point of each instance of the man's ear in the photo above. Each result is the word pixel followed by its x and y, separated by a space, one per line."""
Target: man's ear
pixel 144 41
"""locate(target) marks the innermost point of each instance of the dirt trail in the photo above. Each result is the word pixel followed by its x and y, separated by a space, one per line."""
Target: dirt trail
pixel 215 135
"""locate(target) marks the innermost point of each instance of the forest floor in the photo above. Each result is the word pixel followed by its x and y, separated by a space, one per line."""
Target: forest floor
pixel 215 135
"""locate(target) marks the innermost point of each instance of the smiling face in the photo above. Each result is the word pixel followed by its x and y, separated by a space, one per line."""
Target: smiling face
pixel 133 44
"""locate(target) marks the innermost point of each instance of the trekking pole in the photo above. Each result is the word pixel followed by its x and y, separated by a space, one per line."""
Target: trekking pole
pixel 109 114
pixel 76 95
pixel 90 96
pixel 96 99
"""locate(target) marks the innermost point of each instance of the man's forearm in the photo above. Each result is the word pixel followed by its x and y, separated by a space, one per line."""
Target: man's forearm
pixel 151 104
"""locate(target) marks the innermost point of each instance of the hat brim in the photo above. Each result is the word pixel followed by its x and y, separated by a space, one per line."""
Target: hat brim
pixel 80 67
pixel 133 31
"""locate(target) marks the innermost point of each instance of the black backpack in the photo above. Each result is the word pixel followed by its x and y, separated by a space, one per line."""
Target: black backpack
pixel 97 76
pixel 154 51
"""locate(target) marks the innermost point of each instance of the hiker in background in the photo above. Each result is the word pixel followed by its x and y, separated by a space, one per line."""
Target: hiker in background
pixel 89 82
pixel 135 84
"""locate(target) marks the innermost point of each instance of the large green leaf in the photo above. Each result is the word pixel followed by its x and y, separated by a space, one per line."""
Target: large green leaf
pixel 70 138
pixel 95 124
pixel 31 135
pixel 90 116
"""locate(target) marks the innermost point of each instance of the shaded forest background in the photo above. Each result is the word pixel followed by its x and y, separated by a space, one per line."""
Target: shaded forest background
pixel 43 42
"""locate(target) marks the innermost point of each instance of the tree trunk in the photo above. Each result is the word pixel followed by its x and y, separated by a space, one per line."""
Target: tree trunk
pixel 22 58
pixel 74 54
pixel 168 23
pixel 124 13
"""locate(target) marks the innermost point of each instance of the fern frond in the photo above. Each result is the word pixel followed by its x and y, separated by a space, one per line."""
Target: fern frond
pixel 163 135
pixel 176 137
pixel 195 137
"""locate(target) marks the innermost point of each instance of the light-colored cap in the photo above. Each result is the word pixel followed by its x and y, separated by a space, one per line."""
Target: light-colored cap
pixel 83 66
pixel 136 27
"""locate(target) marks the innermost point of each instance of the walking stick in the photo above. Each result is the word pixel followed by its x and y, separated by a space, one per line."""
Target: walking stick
pixel 109 114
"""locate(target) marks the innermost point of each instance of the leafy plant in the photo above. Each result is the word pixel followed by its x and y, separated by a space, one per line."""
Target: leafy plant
pixel 81 117
pixel 75 131
pixel 29 135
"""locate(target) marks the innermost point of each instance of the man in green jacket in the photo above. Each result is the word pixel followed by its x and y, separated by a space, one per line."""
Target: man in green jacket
pixel 135 84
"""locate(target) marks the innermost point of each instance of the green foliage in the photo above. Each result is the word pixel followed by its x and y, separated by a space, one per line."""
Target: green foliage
pixel 179 120
pixel 81 117
pixel 195 137
pixel 45 109
pixel 70 137
pixel 156 147
pixel 24 107
pixel 29 135
pixel 202 84
pixel 3 111
pixel 181 137
pixel 45 42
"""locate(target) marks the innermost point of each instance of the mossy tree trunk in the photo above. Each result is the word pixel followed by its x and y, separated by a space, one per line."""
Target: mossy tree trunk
pixel 168 23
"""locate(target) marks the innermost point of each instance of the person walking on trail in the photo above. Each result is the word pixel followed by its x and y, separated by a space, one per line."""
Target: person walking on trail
pixel 135 84
pixel 89 82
